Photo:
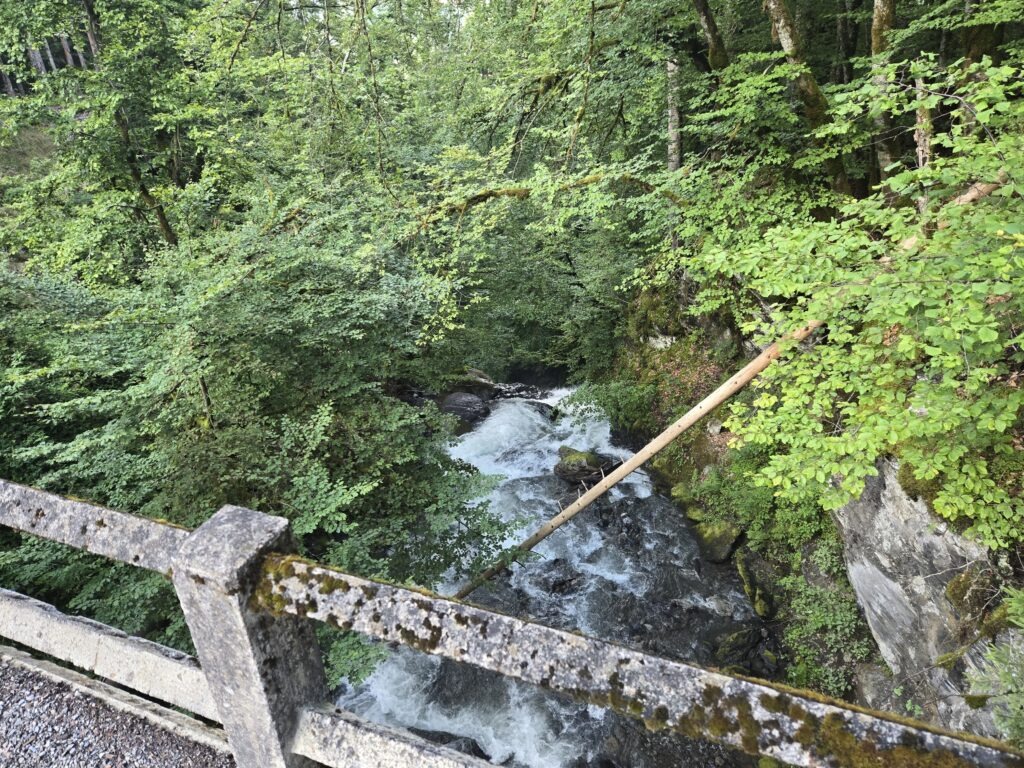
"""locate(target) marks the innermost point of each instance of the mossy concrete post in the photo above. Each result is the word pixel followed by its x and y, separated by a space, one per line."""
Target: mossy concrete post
pixel 262 670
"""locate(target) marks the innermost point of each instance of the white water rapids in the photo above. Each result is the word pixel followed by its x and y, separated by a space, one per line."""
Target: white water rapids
pixel 627 577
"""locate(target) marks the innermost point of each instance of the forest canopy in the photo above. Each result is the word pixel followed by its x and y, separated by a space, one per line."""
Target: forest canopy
pixel 238 233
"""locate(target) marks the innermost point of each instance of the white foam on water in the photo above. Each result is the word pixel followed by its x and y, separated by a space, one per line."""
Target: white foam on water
pixel 513 724
pixel 517 441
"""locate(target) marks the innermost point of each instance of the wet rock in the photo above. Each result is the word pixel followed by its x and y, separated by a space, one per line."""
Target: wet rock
pixel 749 651
pixel 462 744
pixel 525 391
pixel 475 382
pixel 717 538
pixel 578 466
pixel 559 578
pixel 457 683
pixel 416 397
pixel 468 407
pixel 544 409
pixel 755 574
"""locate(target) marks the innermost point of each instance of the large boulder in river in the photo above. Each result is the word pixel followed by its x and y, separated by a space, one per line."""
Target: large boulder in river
pixel 578 466
pixel 467 406
pixel 901 561
pixel 475 382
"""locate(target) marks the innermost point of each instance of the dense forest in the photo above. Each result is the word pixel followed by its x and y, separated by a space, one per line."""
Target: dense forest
pixel 245 241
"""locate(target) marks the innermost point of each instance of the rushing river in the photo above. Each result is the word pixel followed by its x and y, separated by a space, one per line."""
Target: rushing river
pixel 628 569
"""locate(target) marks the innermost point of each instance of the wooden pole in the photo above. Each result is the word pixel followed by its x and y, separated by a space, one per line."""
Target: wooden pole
pixel 738 381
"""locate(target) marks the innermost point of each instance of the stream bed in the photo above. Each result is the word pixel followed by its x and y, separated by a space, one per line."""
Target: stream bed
pixel 628 569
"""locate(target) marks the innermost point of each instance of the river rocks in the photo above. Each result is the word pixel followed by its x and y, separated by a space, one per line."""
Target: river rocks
pixel 559 577
pixel 468 407
pixel 749 651
pixel 546 410
pixel 901 560
pixel 717 538
pixel 475 382
pixel 462 744
pixel 578 466
pixel 524 391
pixel 756 574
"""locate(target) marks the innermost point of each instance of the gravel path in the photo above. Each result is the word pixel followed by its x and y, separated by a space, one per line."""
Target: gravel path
pixel 50 723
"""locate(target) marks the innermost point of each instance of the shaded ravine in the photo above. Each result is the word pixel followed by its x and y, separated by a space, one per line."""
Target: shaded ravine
pixel 627 570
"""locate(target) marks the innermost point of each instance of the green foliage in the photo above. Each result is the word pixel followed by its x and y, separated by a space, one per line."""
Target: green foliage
pixel 774 526
pixel 244 229
pixel 822 628
pixel 826 635
pixel 656 384
pixel 999 680
pixel 922 339
pixel 349 656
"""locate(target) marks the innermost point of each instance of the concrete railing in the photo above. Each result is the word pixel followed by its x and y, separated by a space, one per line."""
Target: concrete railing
pixel 249 604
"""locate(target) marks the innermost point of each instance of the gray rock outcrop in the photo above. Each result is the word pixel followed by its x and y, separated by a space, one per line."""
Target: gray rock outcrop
pixel 900 559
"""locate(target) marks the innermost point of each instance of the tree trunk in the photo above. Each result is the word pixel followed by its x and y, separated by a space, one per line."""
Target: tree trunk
pixel 92 29
pixel 814 101
pixel 982 39
pixel 887 148
pixel 847 34
pixel 8 85
pixel 69 59
pixel 36 58
pixel 922 138
pixel 718 57
pixel 152 204
pixel 81 58
pixel 49 55
pixel 672 101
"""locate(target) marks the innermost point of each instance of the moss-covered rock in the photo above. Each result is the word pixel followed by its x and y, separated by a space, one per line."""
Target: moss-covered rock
pixel 717 538
pixel 759 596
pixel 926 490
pixel 683 495
pixel 976 702
pixel 969 591
pixel 578 466
pixel 948 660
pixel 747 652
pixel 995 622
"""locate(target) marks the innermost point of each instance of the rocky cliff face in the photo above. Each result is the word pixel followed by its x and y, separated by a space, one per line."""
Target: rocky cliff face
pixel 901 560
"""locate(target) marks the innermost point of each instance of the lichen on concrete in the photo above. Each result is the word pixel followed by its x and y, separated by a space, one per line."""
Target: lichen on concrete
pixel 760 718
pixel 127 538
